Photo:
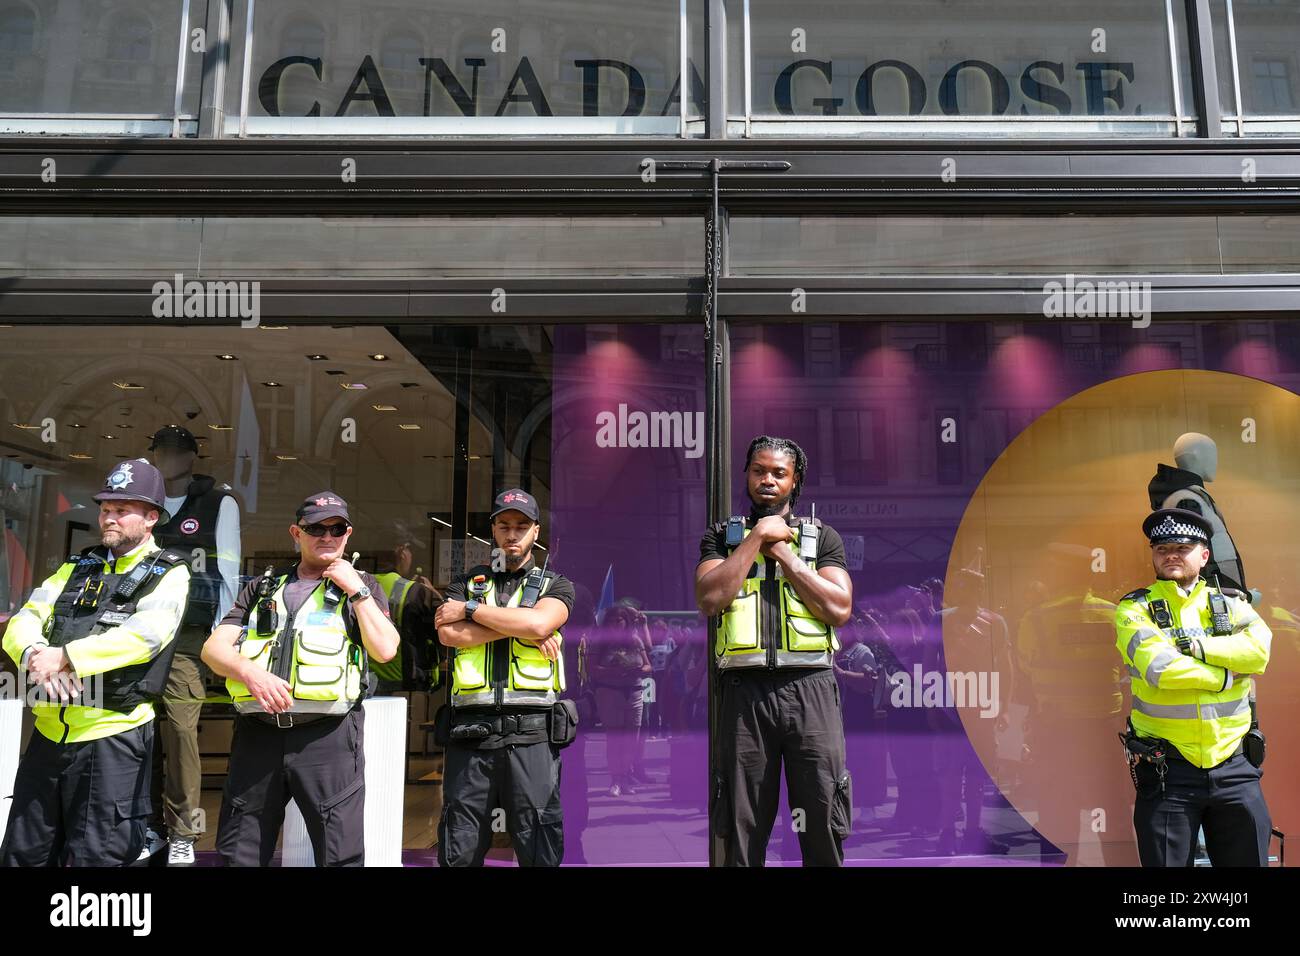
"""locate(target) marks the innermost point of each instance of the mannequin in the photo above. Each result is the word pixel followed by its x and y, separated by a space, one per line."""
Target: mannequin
pixel 1197 459
pixel 204 522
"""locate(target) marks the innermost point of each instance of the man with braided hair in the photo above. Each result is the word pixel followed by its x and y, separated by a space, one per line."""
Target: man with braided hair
pixel 777 586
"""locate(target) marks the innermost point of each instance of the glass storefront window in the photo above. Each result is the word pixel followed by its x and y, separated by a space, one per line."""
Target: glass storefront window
pixel 989 480
pixel 92 67
pixel 1259 74
pixel 823 69
pixel 418 428
pixel 502 67
pixel 875 68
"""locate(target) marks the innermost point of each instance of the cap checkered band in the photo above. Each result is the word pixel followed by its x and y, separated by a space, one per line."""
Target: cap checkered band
pixel 1171 528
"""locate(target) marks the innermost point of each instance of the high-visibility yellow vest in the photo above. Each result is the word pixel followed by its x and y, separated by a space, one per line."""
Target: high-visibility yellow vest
pixel 121 648
pixel 767 625
pixel 1066 650
pixel 1202 708
pixel 505 672
pixel 398 589
pixel 325 668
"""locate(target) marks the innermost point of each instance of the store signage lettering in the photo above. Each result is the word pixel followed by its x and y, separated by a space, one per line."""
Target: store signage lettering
pixel 858 509
pixel 1042 81
pixel 524 87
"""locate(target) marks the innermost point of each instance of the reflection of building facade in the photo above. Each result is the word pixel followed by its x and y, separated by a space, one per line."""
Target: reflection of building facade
pixel 425 56
pixel 88 56
pixel 881 468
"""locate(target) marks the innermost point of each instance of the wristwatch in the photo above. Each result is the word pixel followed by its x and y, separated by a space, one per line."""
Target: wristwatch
pixel 362 593
pixel 470 607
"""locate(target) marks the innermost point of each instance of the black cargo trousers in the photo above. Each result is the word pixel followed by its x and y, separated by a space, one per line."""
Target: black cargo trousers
pixel 493 787
pixel 766 717
pixel 320 763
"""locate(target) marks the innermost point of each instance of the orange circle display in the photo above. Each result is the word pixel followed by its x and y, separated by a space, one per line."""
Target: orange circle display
pixel 1048 544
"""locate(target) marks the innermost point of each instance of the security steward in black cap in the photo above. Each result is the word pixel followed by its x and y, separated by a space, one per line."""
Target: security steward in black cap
pixel 505 722
pixel 1194 746
pixel 204 524
pixel 295 649
pixel 778 587
pixel 95 642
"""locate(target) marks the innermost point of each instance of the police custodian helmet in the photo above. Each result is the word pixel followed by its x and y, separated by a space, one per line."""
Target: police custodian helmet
pixel 136 481
pixel 1177 526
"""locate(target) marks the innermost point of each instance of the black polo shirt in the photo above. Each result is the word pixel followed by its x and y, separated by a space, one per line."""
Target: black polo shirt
pixel 830 546
pixel 505 583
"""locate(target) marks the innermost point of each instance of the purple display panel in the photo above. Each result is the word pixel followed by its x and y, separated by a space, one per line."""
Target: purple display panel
pixel 870 404
pixel 627 514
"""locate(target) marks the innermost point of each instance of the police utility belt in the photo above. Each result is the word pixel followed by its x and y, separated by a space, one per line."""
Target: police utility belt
pixel 558 724
pixel 1157 751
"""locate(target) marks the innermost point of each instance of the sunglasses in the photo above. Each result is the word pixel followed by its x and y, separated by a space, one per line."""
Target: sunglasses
pixel 320 530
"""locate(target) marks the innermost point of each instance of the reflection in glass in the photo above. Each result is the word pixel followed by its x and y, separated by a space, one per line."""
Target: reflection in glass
pixel 95 56
pixel 400 421
pixel 938 59
pixel 444 67
pixel 980 684
pixel 1266 35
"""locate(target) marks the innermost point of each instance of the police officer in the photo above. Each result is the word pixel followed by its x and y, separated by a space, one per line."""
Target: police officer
pixel 1194 755
pixel 412 601
pixel 97 637
pixel 294 651
pixel 204 519
pixel 506 722
pixel 779 587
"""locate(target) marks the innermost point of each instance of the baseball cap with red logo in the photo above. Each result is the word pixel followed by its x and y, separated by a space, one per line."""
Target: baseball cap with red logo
pixel 322 505
pixel 516 500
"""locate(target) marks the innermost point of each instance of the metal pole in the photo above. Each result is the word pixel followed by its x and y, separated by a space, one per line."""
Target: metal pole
pixel 212 90
pixel 248 71
pixel 717 390
pixel 683 65
pixel 1205 77
pixel 178 99
pixel 716 68
pixel 1173 68
pixel 1236 70
pixel 749 79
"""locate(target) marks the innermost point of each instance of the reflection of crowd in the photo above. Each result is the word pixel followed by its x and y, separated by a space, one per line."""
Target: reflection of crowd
pixel 637 677
pixel 645 676
pixel 642 681
pixel 617 664
pixel 936 771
